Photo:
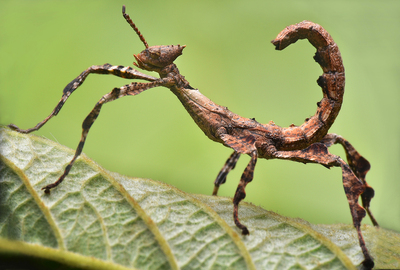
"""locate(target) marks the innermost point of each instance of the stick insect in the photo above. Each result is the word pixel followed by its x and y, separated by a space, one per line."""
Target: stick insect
pixel 307 143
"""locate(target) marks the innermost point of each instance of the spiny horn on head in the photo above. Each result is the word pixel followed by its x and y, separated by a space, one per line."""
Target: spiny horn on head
pixel 128 19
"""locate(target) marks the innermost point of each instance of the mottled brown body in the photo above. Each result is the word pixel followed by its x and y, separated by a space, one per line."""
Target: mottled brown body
pixel 307 143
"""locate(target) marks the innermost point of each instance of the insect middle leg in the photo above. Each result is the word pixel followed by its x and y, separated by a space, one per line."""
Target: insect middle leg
pixel 229 165
pixel 120 71
pixel 130 89
pixel 240 193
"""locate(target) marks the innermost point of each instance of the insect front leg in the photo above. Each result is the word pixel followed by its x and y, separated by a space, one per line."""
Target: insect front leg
pixel 359 165
pixel 229 165
pixel 130 89
pixel 120 71
pixel 353 187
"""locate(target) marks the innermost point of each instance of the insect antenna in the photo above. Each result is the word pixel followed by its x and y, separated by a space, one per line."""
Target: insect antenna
pixel 128 19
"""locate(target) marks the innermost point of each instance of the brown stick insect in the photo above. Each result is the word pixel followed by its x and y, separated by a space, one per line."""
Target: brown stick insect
pixel 307 143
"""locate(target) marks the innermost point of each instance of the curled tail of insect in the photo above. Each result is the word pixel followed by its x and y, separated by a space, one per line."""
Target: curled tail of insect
pixel 332 82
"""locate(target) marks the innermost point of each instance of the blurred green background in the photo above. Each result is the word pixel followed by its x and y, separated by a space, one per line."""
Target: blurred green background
pixel 46 44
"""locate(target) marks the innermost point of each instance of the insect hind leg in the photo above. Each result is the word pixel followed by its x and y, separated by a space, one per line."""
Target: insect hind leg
pixel 353 187
pixel 359 165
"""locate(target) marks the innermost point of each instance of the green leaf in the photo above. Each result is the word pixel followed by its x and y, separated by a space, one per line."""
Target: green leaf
pixel 100 220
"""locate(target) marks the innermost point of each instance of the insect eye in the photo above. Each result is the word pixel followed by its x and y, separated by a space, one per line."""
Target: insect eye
pixel 154 53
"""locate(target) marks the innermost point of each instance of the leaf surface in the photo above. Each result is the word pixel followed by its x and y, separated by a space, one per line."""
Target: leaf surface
pixel 99 220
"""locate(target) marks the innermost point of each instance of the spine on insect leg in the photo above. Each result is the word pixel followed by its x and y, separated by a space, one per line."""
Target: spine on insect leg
pixel 332 82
